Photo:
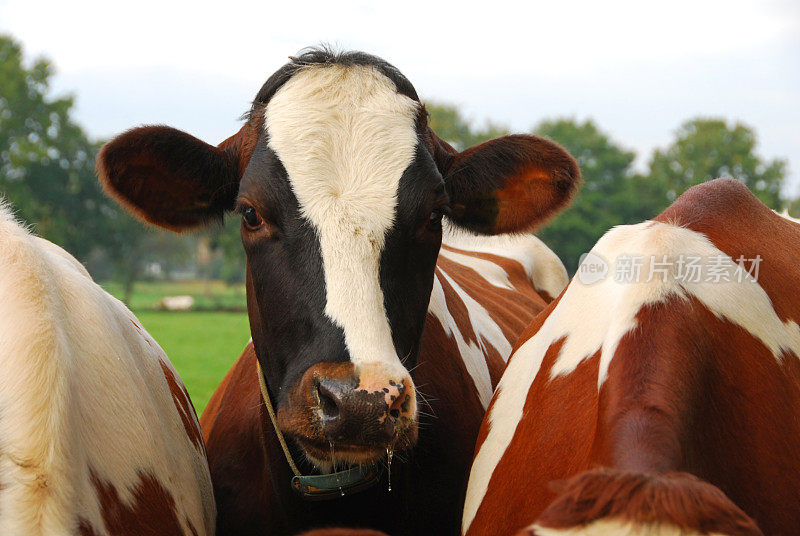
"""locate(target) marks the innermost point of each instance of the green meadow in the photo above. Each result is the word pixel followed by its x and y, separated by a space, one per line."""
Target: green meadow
pixel 202 344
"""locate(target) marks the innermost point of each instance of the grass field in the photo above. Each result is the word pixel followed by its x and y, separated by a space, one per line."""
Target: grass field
pixel 208 295
pixel 202 345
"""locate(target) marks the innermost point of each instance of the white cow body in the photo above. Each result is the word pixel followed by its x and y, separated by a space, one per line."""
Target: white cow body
pixel 97 433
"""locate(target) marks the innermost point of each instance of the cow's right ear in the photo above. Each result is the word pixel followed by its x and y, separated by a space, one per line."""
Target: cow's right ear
pixel 172 179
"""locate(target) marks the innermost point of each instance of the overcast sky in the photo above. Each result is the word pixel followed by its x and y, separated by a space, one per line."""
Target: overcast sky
pixel 638 68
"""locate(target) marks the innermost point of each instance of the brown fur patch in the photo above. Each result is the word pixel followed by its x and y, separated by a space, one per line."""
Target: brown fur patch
pixel 716 209
pixel 505 306
pixel 238 459
pixel 185 408
pixel 678 499
pixel 151 513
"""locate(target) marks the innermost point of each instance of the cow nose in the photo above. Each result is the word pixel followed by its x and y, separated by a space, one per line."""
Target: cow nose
pixel 353 415
pixel 331 399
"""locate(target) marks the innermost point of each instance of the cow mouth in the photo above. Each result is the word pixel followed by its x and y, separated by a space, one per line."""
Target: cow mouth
pixel 330 456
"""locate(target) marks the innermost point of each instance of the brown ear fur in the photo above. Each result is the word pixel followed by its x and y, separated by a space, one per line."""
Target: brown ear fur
pixel 509 184
pixel 172 179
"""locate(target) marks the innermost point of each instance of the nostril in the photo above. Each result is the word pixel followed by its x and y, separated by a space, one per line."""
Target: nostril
pixel 327 402
pixel 329 407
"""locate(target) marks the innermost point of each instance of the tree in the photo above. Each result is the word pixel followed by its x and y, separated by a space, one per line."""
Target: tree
pixel 611 195
pixel 707 148
pixel 227 239
pixel 46 161
pixel 450 125
pixel 47 171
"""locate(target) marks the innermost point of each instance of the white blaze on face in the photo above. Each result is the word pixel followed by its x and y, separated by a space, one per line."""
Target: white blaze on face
pixel 345 136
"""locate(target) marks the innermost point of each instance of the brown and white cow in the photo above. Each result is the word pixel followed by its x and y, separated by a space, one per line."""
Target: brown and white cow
pixel 485 291
pixel 665 406
pixel 342 188
pixel 98 436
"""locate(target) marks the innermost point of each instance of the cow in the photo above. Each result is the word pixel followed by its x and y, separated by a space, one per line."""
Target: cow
pixel 344 192
pixel 659 403
pixel 98 436
pixel 485 291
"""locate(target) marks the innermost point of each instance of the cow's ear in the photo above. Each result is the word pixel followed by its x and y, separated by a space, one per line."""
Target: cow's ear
pixel 172 179
pixel 508 184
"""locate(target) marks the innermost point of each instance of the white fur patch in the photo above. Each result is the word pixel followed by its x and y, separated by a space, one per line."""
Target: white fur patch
pixel 542 267
pixel 81 389
pixel 345 136
pixel 473 355
pixel 614 527
pixel 595 317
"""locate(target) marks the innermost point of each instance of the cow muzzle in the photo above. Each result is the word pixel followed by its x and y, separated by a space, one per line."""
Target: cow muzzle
pixel 340 414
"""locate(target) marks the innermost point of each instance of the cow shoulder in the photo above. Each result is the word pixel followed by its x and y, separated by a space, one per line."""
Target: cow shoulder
pixel 232 425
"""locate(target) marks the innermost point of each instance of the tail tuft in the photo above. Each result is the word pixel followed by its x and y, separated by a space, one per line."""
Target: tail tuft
pixel 608 502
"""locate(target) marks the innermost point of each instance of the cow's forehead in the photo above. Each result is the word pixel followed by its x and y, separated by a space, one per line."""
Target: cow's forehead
pixel 345 137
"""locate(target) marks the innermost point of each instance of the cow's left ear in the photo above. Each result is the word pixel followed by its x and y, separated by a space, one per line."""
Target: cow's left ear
pixel 507 184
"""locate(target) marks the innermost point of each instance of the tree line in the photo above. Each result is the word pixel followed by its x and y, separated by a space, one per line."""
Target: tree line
pixel 613 192
pixel 47 173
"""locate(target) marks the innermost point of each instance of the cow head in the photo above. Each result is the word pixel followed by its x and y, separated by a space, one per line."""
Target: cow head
pixel 341 187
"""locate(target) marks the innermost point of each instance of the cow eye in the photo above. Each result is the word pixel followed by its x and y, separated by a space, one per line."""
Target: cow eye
pixel 251 219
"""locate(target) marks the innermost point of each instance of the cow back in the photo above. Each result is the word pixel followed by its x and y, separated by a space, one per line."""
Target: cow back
pixel 684 385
